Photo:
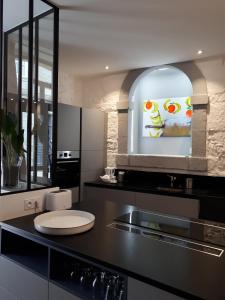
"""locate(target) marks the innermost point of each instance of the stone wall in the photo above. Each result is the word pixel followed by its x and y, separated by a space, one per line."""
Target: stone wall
pixel 103 92
pixel 214 72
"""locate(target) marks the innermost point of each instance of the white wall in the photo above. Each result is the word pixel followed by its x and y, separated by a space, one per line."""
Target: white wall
pixel 157 84
pixel 102 92
pixel 12 206
pixel 70 89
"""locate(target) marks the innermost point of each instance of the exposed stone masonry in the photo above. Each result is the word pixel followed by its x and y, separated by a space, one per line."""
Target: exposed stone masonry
pixel 216 134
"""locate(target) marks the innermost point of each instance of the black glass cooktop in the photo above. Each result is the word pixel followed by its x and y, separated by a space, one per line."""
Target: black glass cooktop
pixel 187 228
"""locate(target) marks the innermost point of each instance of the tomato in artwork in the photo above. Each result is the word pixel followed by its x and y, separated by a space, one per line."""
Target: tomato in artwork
pixel 189 113
pixel 149 105
pixel 171 108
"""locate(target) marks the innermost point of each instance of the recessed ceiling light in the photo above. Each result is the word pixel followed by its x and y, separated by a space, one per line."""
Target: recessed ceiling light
pixel 107 67
pixel 200 52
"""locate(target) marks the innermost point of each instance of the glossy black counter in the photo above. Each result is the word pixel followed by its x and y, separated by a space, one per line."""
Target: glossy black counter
pixel 196 193
pixel 211 200
pixel 184 272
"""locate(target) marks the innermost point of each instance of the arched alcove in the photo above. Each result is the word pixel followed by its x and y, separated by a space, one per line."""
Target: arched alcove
pixel 158 86
pixel 194 160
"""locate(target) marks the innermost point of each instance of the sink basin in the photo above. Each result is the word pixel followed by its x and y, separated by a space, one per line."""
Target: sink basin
pixel 169 189
pixel 64 222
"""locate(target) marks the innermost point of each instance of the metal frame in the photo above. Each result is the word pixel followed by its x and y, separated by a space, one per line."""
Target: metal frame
pixel 55 92
pixel 36 24
pixel 33 21
pixel 30 91
pixel 1 46
pixel 1 72
pixel 20 77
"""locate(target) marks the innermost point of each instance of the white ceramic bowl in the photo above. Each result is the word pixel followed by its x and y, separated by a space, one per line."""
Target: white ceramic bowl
pixel 64 222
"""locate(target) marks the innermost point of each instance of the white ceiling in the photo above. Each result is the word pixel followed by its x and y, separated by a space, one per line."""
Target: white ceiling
pixel 127 34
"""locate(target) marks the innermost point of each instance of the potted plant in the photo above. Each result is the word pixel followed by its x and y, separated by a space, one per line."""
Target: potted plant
pixel 13 151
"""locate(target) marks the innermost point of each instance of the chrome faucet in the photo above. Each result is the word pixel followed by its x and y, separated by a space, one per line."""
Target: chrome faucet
pixel 172 180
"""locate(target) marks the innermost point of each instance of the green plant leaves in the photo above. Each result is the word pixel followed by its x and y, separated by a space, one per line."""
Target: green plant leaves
pixel 11 138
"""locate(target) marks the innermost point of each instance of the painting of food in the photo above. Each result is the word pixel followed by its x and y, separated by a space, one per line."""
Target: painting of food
pixel 169 117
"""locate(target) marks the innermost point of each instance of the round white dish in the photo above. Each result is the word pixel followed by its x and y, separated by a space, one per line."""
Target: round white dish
pixel 64 222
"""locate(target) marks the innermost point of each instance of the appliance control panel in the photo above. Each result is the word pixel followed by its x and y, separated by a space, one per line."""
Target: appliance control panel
pixel 64 155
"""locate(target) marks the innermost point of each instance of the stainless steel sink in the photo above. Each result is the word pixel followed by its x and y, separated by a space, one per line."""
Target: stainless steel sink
pixel 169 189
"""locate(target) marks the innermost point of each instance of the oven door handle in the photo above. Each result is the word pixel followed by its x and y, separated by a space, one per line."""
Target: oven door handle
pixel 67 162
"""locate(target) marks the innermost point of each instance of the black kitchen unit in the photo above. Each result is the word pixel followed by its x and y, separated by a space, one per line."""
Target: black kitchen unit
pixel 183 232
pixel 67 169
pixel 109 262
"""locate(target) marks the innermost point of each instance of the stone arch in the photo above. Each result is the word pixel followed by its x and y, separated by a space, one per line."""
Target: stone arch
pixel 189 68
pixel 200 98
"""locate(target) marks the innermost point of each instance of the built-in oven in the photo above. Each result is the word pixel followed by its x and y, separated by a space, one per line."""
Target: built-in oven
pixel 67 169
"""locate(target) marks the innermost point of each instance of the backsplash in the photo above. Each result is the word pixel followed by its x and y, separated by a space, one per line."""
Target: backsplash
pixel 164 179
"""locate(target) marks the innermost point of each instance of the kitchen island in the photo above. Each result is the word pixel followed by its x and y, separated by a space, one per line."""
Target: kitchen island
pixel 147 268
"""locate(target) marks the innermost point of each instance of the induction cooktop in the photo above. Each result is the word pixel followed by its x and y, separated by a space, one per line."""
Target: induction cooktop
pixel 196 230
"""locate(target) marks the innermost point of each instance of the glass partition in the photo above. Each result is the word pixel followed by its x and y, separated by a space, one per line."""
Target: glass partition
pixel 42 106
pixel 29 101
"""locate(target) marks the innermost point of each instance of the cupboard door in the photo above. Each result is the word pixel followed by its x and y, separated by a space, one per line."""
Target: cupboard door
pixel 6 295
pixel 56 293
pixel 178 206
pixel 23 284
pixel 68 128
pixel 140 290
pixel 101 194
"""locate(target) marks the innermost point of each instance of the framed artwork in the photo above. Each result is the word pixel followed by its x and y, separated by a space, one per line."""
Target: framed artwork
pixel 167 117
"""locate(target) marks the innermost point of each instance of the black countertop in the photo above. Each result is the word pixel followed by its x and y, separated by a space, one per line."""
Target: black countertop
pixel 188 273
pixel 159 189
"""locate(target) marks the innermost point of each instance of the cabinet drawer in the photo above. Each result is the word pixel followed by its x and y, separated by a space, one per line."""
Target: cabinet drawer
pixel 101 194
pixel 21 283
pixel 6 295
pixel 169 205
pixel 140 290
pixel 56 293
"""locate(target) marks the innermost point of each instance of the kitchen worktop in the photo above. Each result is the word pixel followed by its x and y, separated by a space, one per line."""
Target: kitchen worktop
pixel 162 189
pixel 184 272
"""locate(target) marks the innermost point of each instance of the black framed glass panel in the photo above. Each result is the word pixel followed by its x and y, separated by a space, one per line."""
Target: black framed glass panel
pixel 30 94
pixel 42 106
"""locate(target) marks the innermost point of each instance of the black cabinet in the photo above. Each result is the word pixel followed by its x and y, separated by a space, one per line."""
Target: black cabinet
pixel 23 268
pixel 32 270
pixel 85 279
